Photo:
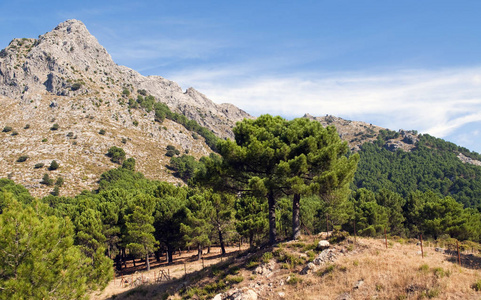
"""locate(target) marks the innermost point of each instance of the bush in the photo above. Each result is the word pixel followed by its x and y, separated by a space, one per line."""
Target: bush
pixel 70 134
pixel 76 86
pixel 59 181
pixel 46 180
pixel 27 126
pixel 14 133
pixel 55 127
pixel 7 129
pixel 116 154
pixel 22 158
pixel 53 165
pixel 102 131
pixel 126 92
pixel 39 165
pixel 476 286
pixel 56 191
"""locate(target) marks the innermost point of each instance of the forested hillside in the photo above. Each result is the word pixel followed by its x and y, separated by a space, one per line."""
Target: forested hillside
pixel 433 165
pixel 276 180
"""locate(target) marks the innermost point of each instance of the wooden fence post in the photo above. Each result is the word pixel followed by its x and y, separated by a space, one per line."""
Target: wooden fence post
pixel 422 251
pixel 385 236
pixel 459 256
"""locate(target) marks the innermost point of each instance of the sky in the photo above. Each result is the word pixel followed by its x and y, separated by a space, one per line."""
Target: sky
pixel 397 64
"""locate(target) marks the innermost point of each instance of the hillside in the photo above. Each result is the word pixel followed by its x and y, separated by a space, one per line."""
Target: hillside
pixel 66 77
pixel 361 269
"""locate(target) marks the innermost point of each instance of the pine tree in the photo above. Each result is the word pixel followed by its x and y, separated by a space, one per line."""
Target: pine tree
pixel 139 229
pixel 38 258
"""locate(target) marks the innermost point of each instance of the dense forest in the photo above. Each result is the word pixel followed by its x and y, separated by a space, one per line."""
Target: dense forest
pixel 432 166
pixel 278 178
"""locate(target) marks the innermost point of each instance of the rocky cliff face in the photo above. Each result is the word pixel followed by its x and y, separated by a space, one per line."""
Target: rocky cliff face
pixel 70 62
pixel 66 77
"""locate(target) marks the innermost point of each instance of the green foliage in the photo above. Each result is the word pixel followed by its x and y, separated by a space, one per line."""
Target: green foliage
pixel 116 154
pixel 126 92
pixel 27 126
pixel 432 165
pixel 39 259
pixel 59 182
pixel 46 180
pixel 55 127
pixel 7 129
pixel 102 131
pixel 22 158
pixel 39 165
pixel 251 216
pixel 129 164
pixel 53 165
pixel 185 166
pixel 14 133
pixel 76 86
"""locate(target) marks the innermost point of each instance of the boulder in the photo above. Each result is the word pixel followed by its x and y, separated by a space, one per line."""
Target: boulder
pixel 323 244
pixel 308 269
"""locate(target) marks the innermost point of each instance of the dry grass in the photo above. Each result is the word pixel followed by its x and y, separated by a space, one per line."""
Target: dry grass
pixel 398 272
pixel 366 270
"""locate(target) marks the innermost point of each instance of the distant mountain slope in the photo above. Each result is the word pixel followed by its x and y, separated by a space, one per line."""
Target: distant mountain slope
pixel 66 77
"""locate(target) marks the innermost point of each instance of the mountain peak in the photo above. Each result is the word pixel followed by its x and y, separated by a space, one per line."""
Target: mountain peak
pixel 72 26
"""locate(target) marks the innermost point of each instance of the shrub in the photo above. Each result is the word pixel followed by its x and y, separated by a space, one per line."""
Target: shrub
pixel 142 92
pixel 22 158
pixel 56 191
pixel 476 286
pixel 136 123
pixel 53 165
pixel 54 127
pixel 124 141
pixel 102 131
pixel 46 180
pixel 7 129
pixel 76 86
pixel 39 165
pixel 44 140
pixel 293 280
pixel 234 279
pixel 27 126
pixel 59 181
pixel 70 134
pixel 116 154
pixel 14 133
pixel 266 257
pixel 126 92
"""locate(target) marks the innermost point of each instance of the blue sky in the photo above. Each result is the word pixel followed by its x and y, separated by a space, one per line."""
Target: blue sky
pixel 397 64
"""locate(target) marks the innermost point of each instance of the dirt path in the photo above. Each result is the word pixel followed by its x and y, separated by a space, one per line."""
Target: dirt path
pixel 185 263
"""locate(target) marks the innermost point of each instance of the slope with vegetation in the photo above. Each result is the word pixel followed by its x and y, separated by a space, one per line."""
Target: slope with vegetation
pixel 63 98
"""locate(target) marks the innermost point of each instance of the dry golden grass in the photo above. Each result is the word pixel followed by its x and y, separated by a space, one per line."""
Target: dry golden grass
pixel 367 270
pixel 398 272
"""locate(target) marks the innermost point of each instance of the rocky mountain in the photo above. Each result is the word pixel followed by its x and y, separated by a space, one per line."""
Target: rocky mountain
pixel 63 98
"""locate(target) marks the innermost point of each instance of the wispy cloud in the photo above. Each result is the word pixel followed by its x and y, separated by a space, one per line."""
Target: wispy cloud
pixel 437 102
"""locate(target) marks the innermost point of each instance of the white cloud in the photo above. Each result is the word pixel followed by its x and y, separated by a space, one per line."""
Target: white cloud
pixel 432 101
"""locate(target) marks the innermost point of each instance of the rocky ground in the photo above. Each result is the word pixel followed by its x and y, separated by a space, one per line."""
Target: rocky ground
pixel 352 269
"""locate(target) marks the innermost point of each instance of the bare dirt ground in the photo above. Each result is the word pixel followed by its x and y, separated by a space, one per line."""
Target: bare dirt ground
pixel 185 263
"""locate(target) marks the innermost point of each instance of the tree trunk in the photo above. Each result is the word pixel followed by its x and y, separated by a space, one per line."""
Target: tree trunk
pixel 251 239
pixel 199 252
pixel 170 254
pixel 147 261
pixel 221 241
pixel 296 224
pixel 272 217
pixel 124 258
